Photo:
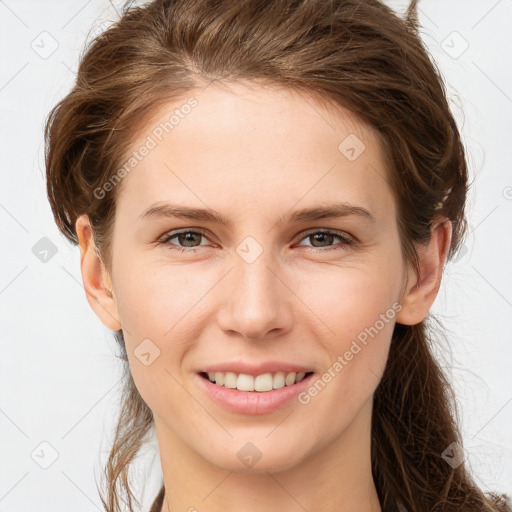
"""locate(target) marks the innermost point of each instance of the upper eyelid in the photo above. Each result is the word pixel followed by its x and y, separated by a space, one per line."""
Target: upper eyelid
pixel 171 234
pixel 342 234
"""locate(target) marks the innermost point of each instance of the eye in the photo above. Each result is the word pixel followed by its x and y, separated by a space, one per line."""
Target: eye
pixel 327 237
pixel 190 241
pixel 189 238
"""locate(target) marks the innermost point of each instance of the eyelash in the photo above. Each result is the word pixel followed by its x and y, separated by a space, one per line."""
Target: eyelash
pixel 345 239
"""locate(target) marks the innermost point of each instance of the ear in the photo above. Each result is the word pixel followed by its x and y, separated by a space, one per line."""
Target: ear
pixel 420 292
pixel 97 283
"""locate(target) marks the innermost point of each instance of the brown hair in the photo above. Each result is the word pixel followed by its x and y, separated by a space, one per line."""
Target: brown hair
pixel 355 53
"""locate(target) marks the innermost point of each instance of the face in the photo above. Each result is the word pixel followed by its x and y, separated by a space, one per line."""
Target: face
pixel 274 286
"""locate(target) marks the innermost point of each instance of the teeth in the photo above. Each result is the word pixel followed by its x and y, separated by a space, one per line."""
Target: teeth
pixel 279 380
pixel 245 382
pixel 290 378
pixel 230 380
pixel 264 382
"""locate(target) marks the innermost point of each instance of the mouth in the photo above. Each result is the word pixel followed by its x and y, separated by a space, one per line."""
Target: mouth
pixel 254 394
pixel 259 384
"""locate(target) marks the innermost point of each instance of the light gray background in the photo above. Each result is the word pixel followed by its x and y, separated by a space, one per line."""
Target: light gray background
pixel 59 377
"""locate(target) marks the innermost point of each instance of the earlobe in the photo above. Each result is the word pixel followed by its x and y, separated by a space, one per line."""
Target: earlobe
pixel 95 278
pixel 422 290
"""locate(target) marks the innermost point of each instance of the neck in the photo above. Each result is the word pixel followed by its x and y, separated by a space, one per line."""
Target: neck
pixel 336 478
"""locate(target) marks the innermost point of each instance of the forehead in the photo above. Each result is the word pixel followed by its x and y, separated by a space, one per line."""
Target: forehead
pixel 246 149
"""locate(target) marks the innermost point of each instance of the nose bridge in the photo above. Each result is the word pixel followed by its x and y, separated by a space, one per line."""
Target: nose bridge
pixel 255 302
pixel 254 282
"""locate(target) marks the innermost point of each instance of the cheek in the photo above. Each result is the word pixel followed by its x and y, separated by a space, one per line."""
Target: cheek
pixel 349 299
pixel 169 306
pixel 156 304
pixel 357 308
pixel 160 299
pixel 157 333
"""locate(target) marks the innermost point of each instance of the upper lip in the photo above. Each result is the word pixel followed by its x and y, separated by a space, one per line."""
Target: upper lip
pixel 256 369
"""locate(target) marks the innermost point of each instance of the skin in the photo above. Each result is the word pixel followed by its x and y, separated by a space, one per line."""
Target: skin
pixel 255 154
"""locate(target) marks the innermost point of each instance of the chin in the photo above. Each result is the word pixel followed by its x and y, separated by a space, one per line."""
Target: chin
pixel 255 458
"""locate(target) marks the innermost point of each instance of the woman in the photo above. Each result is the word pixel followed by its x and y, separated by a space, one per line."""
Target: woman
pixel 265 194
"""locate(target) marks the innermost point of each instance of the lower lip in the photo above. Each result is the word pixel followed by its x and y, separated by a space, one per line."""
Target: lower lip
pixel 253 402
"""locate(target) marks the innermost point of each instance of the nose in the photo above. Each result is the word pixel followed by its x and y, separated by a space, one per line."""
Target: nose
pixel 257 301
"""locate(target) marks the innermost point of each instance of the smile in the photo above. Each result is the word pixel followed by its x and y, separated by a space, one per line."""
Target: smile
pixel 260 383
pixel 253 394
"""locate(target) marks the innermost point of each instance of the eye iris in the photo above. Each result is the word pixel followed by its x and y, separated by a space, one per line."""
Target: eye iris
pixel 329 237
pixel 182 237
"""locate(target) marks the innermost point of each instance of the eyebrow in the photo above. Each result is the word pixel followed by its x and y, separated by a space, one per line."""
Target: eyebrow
pixel 325 211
